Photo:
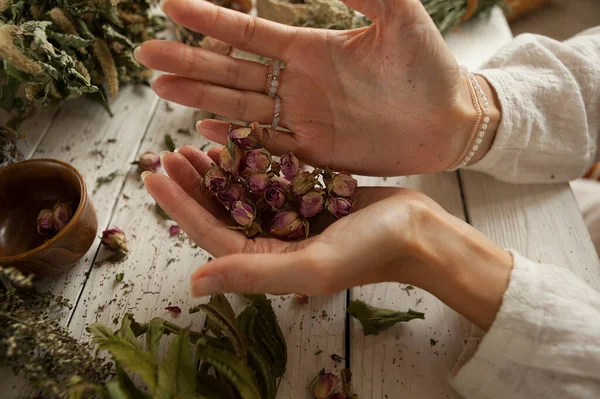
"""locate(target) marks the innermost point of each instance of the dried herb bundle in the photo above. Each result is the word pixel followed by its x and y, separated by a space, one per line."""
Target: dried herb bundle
pixel 447 14
pixel 37 347
pixel 62 49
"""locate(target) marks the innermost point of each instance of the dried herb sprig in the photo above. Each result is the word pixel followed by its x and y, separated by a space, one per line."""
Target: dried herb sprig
pixel 374 320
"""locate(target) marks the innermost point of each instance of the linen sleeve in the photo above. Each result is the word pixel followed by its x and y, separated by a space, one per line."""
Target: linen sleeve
pixel 544 342
pixel 549 93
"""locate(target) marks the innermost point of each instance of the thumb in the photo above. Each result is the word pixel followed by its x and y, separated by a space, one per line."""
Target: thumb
pixel 262 273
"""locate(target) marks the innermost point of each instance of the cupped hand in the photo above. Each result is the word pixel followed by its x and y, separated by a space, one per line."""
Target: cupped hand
pixel 380 100
pixel 373 244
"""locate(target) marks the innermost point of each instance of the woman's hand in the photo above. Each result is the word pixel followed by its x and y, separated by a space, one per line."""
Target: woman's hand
pixel 394 234
pixel 383 100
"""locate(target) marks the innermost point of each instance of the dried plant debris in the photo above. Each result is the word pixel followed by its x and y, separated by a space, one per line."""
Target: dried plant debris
pixel 9 152
pixel 374 320
pixel 62 49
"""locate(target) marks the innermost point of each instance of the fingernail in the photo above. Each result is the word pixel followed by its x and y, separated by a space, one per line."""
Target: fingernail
pixel 177 149
pixel 208 285
pixel 144 175
pixel 198 124
pixel 136 52
pixel 162 155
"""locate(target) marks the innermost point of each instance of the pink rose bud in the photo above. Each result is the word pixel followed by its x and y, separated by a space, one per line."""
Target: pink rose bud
pixel 175 310
pixel 215 179
pixel 312 203
pixel 231 194
pixel 230 158
pixel 324 385
pixel 243 214
pixel 275 195
pixel 258 182
pixel 289 224
pixel 149 162
pixel 343 185
pixel 302 183
pixel 289 165
pixel 174 230
pixel 62 214
pixel 114 238
pixel 243 137
pixel 258 159
pixel 339 207
pixel 301 299
pixel 45 223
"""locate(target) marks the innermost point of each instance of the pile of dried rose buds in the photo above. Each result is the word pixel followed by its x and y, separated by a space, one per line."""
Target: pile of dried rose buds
pixel 51 221
pixel 259 191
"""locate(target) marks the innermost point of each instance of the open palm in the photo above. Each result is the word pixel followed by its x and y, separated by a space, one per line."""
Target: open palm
pixel 379 100
pixel 361 248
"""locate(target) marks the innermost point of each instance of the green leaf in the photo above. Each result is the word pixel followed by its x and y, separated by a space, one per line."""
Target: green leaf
pixel 267 381
pixel 156 330
pixel 246 321
pixel 176 374
pixel 126 354
pixel 268 334
pixel 221 319
pixel 115 391
pixel 374 320
pixel 127 385
pixel 126 332
pixel 211 387
pixel 231 367
pixel 169 143
pixel 70 40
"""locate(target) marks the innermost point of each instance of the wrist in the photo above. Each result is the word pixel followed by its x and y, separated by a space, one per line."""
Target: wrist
pixel 464 117
pixel 461 267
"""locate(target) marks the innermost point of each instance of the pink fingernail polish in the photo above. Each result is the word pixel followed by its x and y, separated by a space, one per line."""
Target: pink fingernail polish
pixel 208 285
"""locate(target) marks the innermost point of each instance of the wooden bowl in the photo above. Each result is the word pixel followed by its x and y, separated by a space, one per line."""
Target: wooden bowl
pixel 26 188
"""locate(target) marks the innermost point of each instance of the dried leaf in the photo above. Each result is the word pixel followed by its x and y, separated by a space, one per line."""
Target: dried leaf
pixel 374 320
pixel 176 373
pixel 155 332
pixel 70 40
pixel 162 213
pixel 169 143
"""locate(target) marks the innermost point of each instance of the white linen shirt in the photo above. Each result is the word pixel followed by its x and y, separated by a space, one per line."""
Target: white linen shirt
pixel 545 340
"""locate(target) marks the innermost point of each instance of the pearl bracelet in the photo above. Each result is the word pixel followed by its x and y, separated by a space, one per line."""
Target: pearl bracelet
pixel 482 109
pixel 273 79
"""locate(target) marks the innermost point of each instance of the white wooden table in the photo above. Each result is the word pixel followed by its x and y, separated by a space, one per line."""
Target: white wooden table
pixel 542 222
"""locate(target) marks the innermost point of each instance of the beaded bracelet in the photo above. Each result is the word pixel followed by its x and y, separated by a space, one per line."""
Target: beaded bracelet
pixel 482 109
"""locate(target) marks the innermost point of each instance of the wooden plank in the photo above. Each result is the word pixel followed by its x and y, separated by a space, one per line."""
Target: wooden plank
pixel 158 269
pixel 80 135
pixel 541 222
pixel 402 362
pixel 35 129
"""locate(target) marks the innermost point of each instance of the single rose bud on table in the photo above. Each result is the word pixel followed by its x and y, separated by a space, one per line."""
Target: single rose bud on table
pixel 312 203
pixel 324 385
pixel 289 224
pixel 149 162
pixel 45 223
pixel 290 166
pixel 115 239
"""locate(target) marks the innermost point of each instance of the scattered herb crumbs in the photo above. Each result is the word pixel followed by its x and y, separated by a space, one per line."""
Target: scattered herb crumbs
pixel 433 342
pixel 408 288
pixel 336 358
pixel 318 352
pixel 184 131
pixel 116 320
pixel 324 314
pixel 162 213
pixel 419 300
pixel 168 107
pixel 105 179
pixel 171 260
pixel 203 146
pixel 119 276
pixel 117 257
pixel 125 197
pixel 111 141
pixel 95 152
pixel 169 143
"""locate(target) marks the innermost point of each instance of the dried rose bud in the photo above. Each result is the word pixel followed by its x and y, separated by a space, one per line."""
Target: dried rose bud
pixel 302 183
pixel 243 213
pixel 230 158
pixel 301 299
pixel 258 159
pixel 339 207
pixel 275 168
pixel 289 224
pixel 62 213
pixel 174 230
pixel 45 223
pixel 215 179
pixel 234 192
pixel 243 137
pixel 275 195
pixel 149 162
pixel 258 182
pixel 175 310
pixel 114 238
pixel 324 385
pixel 312 203
pixel 289 165
pixel 343 185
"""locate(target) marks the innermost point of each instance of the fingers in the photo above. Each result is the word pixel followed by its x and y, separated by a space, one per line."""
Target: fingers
pixel 182 172
pixel 257 273
pixel 234 104
pixel 197 158
pixel 202 227
pixel 254 35
pixel 196 63
pixel 217 131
